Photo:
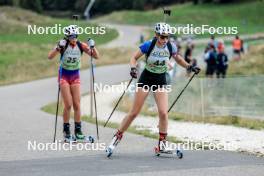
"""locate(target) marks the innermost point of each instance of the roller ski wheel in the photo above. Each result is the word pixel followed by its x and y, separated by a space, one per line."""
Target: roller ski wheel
pixel 179 154
pixel 109 152
pixel 90 139
pixel 159 152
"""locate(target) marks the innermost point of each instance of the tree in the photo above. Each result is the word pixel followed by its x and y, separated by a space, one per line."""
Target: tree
pixel 32 5
pixel 195 2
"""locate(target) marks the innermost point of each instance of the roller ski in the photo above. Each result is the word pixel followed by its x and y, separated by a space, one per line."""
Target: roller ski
pixel 116 139
pixel 80 137
pixel 68 137
pixel 73 139
pixel 162 149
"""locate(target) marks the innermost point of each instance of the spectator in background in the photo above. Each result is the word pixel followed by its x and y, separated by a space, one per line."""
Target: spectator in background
pixel 221 46
pixel 237 47
pixel 194 62
pixel 172 40
pixel 188 55
pixel 141 38
pixel 189 41
pixel 213 41
pixel 221 64
pixel 210 59
pixel 178 42
pixel 242 46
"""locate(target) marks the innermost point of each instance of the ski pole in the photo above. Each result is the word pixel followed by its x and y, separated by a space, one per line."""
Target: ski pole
pixel 118 102
pixel 56 118
pixel 91 44
pixel 95 105
pixel 58 100
pixel 181 92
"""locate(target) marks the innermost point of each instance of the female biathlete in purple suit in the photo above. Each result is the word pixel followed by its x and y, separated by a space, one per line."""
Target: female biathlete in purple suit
pixel 152 78
pixel 69 77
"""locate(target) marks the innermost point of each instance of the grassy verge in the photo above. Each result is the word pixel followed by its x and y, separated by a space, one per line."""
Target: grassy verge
pixel 51 108
pixel 251 63
pixel 126 104
pixel 114 55
pixel 24 57
pixel 245 16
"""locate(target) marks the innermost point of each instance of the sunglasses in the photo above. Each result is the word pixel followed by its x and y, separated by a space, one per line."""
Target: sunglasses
pixel 163 37
pixel 72 37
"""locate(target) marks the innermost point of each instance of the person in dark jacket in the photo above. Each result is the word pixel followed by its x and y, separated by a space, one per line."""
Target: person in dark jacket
pixel 222 64
pixel 210 59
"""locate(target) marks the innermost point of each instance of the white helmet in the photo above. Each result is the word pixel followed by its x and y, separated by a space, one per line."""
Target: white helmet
pixel 163 28
pixel 71 30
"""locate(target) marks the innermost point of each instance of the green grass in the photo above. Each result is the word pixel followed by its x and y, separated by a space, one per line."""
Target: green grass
pixel 246 16
pixel 251 63
pixel 126 104
pixel 51 109
pixel 24 57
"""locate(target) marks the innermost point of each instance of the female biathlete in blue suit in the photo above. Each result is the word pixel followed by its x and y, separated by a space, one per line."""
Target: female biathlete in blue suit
pixel 152 78
pixel 69 77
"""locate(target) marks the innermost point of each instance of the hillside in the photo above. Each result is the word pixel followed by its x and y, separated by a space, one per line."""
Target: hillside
pixel 23 56
pixel 244 15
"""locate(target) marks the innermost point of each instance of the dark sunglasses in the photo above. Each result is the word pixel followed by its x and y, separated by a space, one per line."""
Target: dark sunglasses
pixel 72 36
pixel 163 37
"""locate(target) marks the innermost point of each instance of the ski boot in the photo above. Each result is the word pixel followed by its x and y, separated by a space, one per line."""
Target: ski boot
pixel 115 140
pixel 80 137
pixel 68 138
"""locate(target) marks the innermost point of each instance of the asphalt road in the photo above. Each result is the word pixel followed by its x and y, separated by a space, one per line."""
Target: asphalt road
pixel 135 162
pixel 129 35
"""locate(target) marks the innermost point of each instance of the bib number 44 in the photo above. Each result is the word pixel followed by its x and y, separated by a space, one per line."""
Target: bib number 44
pixel 159 63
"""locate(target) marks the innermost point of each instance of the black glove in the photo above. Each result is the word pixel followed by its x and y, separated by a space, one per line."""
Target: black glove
pixel 194 69
pixel 133 72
